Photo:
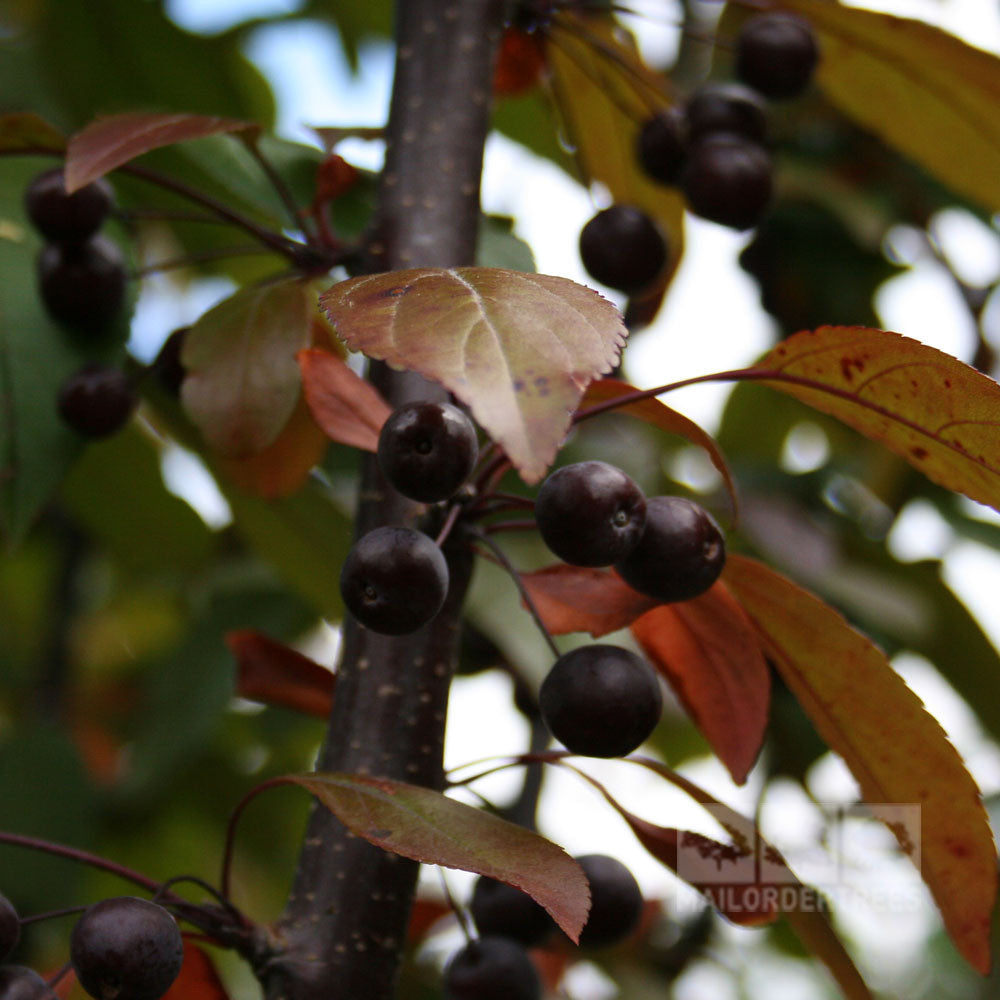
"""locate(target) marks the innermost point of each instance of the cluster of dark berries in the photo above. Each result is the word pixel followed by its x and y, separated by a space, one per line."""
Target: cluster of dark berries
pixel 395 579
pixel 602 700
pixel 497 966
pixel 81 280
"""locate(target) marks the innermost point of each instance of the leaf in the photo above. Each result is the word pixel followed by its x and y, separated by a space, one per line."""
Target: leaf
pixel 920 89
pixel 926 406
pixel 271 672
pixel 198 979
pixel 25 130
pixel 108 142
pixel 426 826
pixel 708 651
pixel 348 408
pixel 897 752
pixel 518 349
pixel 242 379
pixel 656 413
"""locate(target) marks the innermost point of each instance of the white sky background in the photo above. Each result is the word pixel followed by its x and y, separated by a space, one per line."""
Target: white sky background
pixel 313 85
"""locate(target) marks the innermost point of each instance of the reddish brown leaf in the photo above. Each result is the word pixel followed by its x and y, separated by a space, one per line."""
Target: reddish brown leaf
pixel 709 652
pixel 423 916
pixel 580 599
pixel 25 130
pixel 198 980
pixel 107 143
pixel 347 407
pixel 427 826
pixel 271 672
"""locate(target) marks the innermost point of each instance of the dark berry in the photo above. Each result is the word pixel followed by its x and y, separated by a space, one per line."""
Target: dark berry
pixel 660 146
pixel 427 450
pixel 615 901
pixel 725 107
pixel 82 284
pixel 96 400
pixel 590 513
pixel 727 179
pixel 10 927
pixel 601 700
pixel 167 367
pixel 622 248
pixel 67 218
pixel 680 554
pixel 492 968
pixel 500 909
pixel 18 982
pixel 776 54
pixel 394 580
pixel 126 949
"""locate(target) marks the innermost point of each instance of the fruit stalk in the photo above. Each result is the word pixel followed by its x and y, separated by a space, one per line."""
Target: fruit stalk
pixel 342 933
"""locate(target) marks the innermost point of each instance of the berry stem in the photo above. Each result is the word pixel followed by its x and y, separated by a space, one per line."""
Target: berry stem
pixel 460 914
pixel 203 256
pixel 281 189
pixel 449 522
pixel 52 914
pixel 515 525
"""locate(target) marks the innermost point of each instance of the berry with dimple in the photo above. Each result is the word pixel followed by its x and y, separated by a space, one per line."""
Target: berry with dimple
pixel 615 901
pixel 601 700
pixel 427 450
pixel 18 982
pixel 725 107
pixel 776 54
pixel 623 248
pixel 394 580
pixel 660 146
pixel 96 400
pixel 590 513
pixel 82 284
pixel 67 218
pixel 501 909
pixel 10 927
pixel 680 554
pixel 727 179
pixel 126 948
pixel 492 968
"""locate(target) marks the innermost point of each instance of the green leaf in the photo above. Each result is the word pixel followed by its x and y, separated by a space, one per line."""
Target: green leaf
pixel 497 245
pixel 426 826
pixel 518 349
pixel 24 130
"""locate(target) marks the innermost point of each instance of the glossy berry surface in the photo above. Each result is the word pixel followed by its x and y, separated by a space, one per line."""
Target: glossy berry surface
pixel 726 107
pixel 660 146
pixel 601 700
pixel 728 179
pixel 62 217
pixel 615 901
pixel 427 450
pixel 18 982
pixel 96 400
pixel 82 284
pixel 492 968
pixel 126 949
pixel 394 580
pixel 776 54
pixel 10 927
pixel 590 513
pixel 680 554
pixel 622 248
pixel 500 909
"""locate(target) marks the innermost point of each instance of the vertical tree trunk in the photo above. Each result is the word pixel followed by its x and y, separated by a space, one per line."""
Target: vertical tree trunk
pixel 342 932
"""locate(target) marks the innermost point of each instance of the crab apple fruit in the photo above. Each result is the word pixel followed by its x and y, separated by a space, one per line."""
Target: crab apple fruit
pixel 728 179
pixel 10 927
pixel 776 54
pixel 615 901
pixel 725 107
pixel 62 217
pixel 18 982
pixel 503 910
pixel 82 285
pixel 660 146
pixel 492 968
pixel 96 400
pixel 623 248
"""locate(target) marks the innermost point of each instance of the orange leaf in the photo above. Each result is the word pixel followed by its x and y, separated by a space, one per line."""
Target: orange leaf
pixel 198 980
pixel 271 672
pixel 519 63
pixel 939 414
pixel 348 408
pixel 897 752
pixel 708 651
pixel 25 130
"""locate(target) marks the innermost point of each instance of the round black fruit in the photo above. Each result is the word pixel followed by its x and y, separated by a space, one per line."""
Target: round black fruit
pixel 660 146
pixel 427 450
pixel 601 700
pixel 18 982
pixel 96 400
pixel 590 513
pixel 10 927
pixel 726 107
pixel 622 248
pixel 394 580
pixel 67 218
pixel 615 901
pixel 500 909
pixel 82 284
pixel 727 179
pixel 492 968
pixel 680 554
pixel 776 54
pixel 126 949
